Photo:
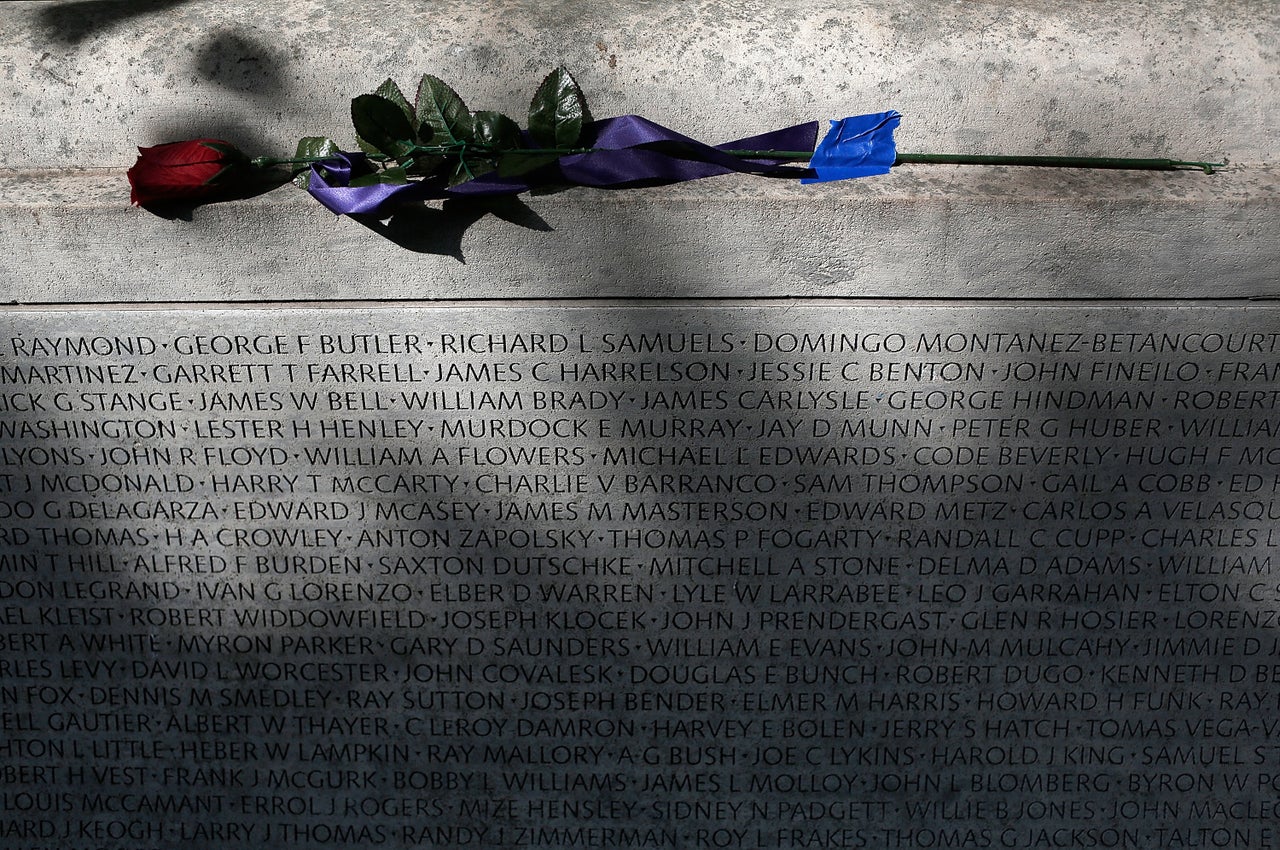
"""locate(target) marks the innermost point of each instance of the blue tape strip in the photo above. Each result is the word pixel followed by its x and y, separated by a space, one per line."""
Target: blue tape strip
pixel 860 146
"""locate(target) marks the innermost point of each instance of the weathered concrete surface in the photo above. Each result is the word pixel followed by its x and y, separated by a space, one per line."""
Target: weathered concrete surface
pixel 82 83
pixel 920 231
pixel 87 81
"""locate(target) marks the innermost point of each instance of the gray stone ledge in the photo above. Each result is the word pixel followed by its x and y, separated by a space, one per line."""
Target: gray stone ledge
pixel 81 84
pixel 922 231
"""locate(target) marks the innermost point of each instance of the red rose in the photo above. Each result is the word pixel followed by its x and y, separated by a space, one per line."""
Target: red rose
pixel 181 171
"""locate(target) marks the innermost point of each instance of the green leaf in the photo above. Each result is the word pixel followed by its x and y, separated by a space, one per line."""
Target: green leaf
pixel 474 167
pixel 496 130
pixel 440 108
pixel 380 122
pixel 395 176
pixel 424 166
pixel 309 147
pixel 391 92
pixel 316 146
pixel 557 111
pixel 518 163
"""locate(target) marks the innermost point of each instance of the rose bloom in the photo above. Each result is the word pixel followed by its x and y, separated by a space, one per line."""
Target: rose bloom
pixel 186 171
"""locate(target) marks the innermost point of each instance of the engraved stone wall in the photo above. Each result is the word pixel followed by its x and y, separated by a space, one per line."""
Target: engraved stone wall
pixel 703 575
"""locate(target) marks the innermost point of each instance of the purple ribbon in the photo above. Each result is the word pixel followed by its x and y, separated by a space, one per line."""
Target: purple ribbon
pixel 342 199
pixel 628 150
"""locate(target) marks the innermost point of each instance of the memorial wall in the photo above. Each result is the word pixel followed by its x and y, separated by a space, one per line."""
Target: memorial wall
pixel 936 510
pixel 606 575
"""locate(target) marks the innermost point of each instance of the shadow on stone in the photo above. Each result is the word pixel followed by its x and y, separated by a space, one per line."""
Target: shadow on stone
pixel 241 64
pixel 236 61
pixel 75 21
pixel 428 230
pixel 185 210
